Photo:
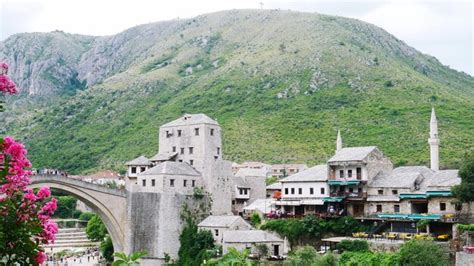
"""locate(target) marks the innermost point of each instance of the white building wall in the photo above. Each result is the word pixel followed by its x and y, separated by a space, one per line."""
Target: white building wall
pixel 305 186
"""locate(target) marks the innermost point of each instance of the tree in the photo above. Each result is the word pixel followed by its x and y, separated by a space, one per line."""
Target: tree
pixel 95 229
pixel 304 256
pixel 355 245
pixel 195 244
pixel 422 253
pixel 124 260
pixel 262 249
pixel 233 257
pixel 107 249
pixel 25 223
pixel 465 191
pixel 255 219
pixel 66 207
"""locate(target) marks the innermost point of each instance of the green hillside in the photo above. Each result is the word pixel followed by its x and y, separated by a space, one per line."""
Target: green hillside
pixel 280 84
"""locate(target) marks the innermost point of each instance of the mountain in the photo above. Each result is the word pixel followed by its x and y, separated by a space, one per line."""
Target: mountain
pixel 280 83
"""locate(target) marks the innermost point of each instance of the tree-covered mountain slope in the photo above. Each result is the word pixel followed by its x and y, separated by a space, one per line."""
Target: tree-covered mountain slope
pixel 280 83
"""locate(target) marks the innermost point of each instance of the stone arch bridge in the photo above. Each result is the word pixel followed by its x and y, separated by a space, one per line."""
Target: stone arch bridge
pixel 109 204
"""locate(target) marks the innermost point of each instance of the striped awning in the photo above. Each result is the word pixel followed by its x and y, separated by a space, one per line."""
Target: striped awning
pixel 413 196
pixel 343 182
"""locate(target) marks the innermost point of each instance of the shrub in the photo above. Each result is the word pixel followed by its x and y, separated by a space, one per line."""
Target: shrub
pixel 107 249
pixel 255 219
pixel 86 216
pixel 302 256
pixel 369 259
pixel 422 253
pixel 355 245
pixel 95 229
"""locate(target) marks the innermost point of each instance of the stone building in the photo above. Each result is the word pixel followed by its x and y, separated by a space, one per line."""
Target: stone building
pixel 218 225
pixel 283 170
pixel 249 239
pixel 251 165
pixel 249 185
pixel 303 192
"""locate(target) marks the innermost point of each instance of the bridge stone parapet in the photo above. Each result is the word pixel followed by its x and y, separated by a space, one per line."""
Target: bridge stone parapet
pixel 110 204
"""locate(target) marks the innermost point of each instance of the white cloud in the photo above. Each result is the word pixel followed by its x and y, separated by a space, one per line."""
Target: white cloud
pixel 442 28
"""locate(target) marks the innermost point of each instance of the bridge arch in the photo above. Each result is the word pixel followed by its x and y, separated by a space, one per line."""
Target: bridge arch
pixel 109 204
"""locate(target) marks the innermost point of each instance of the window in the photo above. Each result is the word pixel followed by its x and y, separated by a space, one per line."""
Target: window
pixel 341 173
pixel 300 191
pixel 153 182
pixel 442 206
pixel 185 182
pixel 212 132
pixel 180 161
pixel 142 169
pixel 216 232
pixel 182 151
pixel 144 182
pixel 349 173
pixel 191 162
pixel 174 148
pixel 311 190
pixel 359 190
pixel 190 150
pixel 395 192
pixel 359 173
pixel 193 183
pixel 179 132
pixel 396 208
pixel 133 170
pixel 168 134
pixel 246 191
pixel 218 150
pixel 351 190
pixel 286 191
pixel 380 192
pixel 196 131
pixel 322 191
pixel 292 191
pixel 379 208
pixel 171 182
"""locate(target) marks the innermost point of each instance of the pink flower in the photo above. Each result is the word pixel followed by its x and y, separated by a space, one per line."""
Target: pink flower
pixel 49 207
pixel 40 258
pixel 30 196
pixel 43 193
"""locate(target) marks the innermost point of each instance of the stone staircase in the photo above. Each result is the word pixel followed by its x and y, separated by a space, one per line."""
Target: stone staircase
pixel 71 238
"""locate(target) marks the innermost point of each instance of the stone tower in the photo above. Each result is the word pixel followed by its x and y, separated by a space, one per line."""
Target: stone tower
pixel 434 142
pixel 196 140
pixel 338 141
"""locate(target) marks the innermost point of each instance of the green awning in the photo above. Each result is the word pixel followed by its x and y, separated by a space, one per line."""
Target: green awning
pixel 439 194
pixel 424 216
pixel 413 196
pixel 392 215
pixel 332 199
pixel 409 216
pixel 343 182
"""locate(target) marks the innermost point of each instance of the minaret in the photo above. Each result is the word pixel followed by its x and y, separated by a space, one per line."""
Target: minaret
pixel 434 142
pixel 338 141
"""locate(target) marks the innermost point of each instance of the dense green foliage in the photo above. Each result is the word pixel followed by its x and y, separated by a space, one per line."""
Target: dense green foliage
pixel 95 229
pixel 86 216
pixel 232 258
pixel 353 245
pixel 311 227
pixel 422 253
pixel 195 244
pixel 272 93
pixel 66 207
pixel 107 248
pixel 368 258
pixel 307 256
pixel 465 191
pixel 466 227
pixel 255 219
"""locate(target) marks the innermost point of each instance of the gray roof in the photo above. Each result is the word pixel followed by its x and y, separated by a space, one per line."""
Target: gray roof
pixel 163 156
pixel 401 177
pixel 249 236
pixel 315 173
pixel 220 221
pixel 141 160
pixel 251 172
pixel 240 182
pixel 262 205
pixel 352 154
pixel 171 168
pixel 276 185
pixel 444 179
pixel 191 119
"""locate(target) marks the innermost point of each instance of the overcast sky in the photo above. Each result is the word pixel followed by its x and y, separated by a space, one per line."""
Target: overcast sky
pixel 442 28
